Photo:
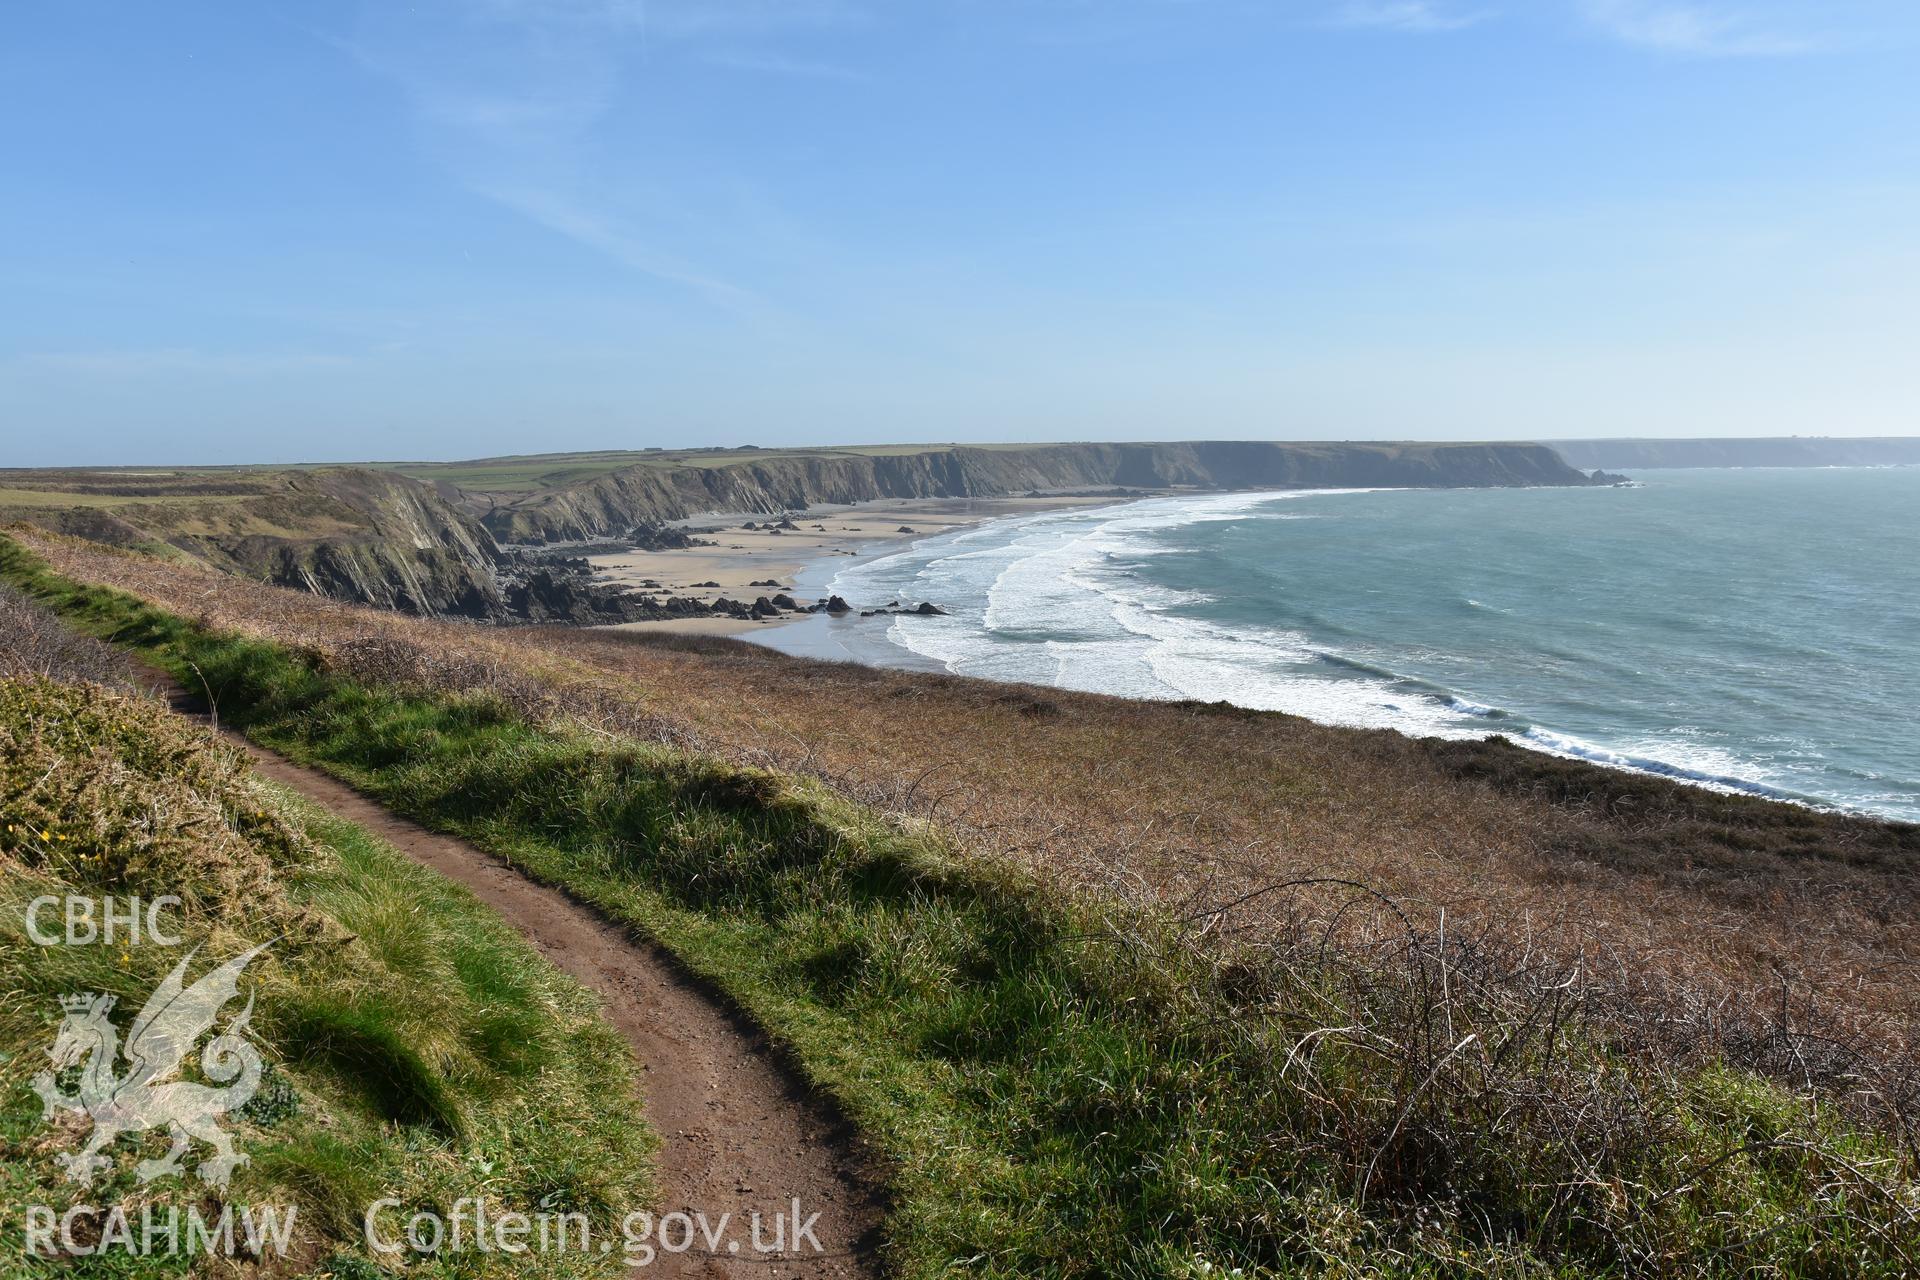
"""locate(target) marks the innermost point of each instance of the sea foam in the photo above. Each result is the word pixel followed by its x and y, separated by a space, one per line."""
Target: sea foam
pixel 1378 612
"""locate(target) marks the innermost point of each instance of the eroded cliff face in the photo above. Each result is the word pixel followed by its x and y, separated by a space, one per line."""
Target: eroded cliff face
pixel 350 533
pixel 619 500
pixel 412 550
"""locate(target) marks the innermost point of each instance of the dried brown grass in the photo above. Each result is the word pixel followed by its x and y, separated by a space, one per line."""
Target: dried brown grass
pixel 1777 936
pixel 34 643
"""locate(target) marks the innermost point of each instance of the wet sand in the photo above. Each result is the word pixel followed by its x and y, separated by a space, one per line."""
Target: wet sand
pixel 745 561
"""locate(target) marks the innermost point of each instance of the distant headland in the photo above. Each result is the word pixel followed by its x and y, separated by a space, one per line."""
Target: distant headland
pixel 1776 451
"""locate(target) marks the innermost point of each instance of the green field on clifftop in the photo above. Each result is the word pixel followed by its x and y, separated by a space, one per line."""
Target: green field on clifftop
pixel 527 473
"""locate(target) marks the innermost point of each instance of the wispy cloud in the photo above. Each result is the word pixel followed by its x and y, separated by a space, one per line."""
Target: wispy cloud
pixel 1695 30
pixel 1405 15
pixel 558 212
pixel 509 96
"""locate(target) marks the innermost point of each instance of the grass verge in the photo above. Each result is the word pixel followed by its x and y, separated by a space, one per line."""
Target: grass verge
pixel 1069 1087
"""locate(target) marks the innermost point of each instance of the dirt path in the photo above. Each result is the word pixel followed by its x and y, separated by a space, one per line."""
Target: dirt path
pixel 739 1133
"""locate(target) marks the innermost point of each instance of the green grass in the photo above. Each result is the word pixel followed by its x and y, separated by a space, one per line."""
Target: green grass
pixel 63 498
pixel 417 1046
pixel 511 477
pixel 524 473
pixel 1067 1087
pixel 533 472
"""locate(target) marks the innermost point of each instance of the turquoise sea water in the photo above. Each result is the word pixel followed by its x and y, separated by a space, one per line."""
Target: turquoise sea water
pixel 1757 629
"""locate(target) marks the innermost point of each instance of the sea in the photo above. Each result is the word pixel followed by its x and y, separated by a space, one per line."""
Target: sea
pixel 1753 630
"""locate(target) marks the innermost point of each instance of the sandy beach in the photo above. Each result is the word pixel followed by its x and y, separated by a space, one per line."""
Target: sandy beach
pixel 762 561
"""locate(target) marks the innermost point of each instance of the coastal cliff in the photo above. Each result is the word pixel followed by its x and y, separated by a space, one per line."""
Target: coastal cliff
pixel 349 533
pixel 645 492
pixel 432 545
pixel 414 551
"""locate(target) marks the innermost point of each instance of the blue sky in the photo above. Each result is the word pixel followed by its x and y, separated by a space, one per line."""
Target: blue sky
pixel 321 230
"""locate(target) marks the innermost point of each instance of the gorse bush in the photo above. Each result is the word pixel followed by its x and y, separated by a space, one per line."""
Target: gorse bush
pixel 409 1034
pixel 1068 1085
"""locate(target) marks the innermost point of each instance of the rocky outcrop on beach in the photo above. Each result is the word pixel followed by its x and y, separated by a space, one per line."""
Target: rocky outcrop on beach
pixel 651 535
pixel 574 600
pixel 544 596
pixel 925 609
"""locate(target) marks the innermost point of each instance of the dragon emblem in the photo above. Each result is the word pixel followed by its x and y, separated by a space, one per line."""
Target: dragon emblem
pixel 146 1096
